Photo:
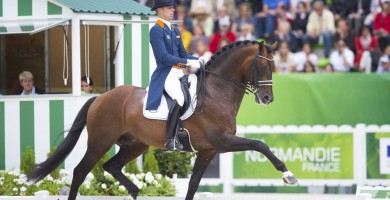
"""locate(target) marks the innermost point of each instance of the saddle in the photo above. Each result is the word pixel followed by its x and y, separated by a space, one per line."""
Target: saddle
pixel 188 86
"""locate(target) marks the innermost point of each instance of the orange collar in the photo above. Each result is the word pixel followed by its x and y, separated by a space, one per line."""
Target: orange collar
pixel 162 24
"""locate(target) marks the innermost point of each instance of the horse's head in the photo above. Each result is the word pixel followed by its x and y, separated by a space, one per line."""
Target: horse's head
pixel 259 73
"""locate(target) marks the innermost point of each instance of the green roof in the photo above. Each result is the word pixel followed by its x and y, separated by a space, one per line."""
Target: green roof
pixel 129 7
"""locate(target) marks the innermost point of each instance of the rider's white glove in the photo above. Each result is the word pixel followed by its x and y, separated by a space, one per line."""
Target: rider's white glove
pixel 194 65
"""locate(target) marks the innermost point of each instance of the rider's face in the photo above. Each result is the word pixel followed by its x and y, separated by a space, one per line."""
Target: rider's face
pixel 166 12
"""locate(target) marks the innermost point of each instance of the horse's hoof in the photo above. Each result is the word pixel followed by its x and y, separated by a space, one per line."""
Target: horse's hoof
pixel 130 198
pixel 289 178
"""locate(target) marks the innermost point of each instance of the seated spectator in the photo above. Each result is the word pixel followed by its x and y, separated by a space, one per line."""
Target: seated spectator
pixel 267 17
pixel 86 85
pixel 359 9
pixel 223 42
pixel 342 58
pixel 382 25
pixel 230 6
pixel 375 8
pixel 26 80
pixel 246 33
pixel 309 68
pixel 344 33
pixel 224 32
pixel 198 35
pixel 320 27
pixel 294 6
pixel 283 27
pixel 298 26
pixel 244 17
pixel 186 36
pixel 181 14
pixel 201 16
pixel 341 9
pixel 202 50
pixel 366 44
pixel 328 68
pixel 305 56
pixel 284 59
pixel 222 16
pixel 384 62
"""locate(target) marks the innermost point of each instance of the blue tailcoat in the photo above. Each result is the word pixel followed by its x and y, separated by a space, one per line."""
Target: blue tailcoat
pixel 168 51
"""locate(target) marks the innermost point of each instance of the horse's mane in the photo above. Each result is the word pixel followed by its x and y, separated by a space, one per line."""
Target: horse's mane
pixel 233 46
pixel 201 90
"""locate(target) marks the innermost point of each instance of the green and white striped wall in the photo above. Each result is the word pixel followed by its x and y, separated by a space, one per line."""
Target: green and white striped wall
pixel 40 123
pixel 29 9
pixel 139 62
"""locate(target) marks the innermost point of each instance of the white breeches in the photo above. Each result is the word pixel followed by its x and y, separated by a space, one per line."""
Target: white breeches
pixel 172 85
pixel 365 62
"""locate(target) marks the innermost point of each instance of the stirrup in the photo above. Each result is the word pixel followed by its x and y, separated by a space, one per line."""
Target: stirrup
pixel 173 145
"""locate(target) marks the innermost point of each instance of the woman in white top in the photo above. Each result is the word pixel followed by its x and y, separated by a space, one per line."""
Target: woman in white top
pixel 284 59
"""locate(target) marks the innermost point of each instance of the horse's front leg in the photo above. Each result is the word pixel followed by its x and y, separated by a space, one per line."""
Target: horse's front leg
pixel 203 159
pixel 232 143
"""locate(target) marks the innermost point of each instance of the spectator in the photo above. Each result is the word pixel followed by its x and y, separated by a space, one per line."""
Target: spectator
pixel 186 36
pixel 283 28
pixel 298 26
pixel 246 33
pixel 320 27
pixel 382 25
pixel 328 68
pixel 294 6
pixel 202 17
pixel 359 9
pixel 229 5
pixel 366 44
pixel 202 50
pixel 222 16
pixel 181 14
pixel 198 35
pixel 309 68
pixel 343 33
pixel 267 17
pixel 223 42
pixel 305 56
pixel 342 58
pixel 86 85
pixel 284 59
pixel 244 17
pixel 341 8
pixel 26 80
pixel 375 7
pixel 224 32
pixel 384 62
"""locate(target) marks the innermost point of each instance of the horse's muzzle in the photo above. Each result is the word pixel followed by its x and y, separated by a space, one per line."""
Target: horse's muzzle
pixel 264 99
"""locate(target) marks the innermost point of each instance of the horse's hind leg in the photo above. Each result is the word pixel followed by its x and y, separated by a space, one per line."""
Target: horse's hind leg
pixel 89 160
pixel 203 159
pixel 231 143
pixel 115 164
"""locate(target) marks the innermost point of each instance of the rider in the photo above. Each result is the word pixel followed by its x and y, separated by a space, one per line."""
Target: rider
pixel 170 55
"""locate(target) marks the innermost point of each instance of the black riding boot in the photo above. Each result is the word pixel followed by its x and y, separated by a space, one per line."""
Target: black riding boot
pixel 171 143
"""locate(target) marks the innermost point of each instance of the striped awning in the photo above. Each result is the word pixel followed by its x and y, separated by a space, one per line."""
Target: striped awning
pixel 29 26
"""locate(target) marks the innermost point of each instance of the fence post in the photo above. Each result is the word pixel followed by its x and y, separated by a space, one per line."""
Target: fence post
pixel 359 152
pixel 226 170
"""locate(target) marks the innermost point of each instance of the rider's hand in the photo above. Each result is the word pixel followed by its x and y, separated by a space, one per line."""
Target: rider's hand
pixel 194 65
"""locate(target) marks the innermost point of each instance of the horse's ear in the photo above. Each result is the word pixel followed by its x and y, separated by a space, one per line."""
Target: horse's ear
pixel 274 45
pixel 261 47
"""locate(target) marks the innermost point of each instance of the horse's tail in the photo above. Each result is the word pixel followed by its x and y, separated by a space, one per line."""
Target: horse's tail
pixel 64 149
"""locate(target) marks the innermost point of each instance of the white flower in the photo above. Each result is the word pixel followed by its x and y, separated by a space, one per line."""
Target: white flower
pixel 108 175
pixel 155 183
pixel 90 176
pixel 49 178
pixel 11 172
pixel 167 178
pixel 133 177
pixel 158 176
pixel 22 189
pixel 1 182
pixel 139 176
pixel 15 189
pixel 122 188
pixel 127 174
pixel 139 185
pixel 149 177
pixel 104 186
pixel 87 186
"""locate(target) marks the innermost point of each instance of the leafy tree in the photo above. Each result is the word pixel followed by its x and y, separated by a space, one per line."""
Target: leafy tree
pixel 27 164
pixel 174 163
pixel 150 163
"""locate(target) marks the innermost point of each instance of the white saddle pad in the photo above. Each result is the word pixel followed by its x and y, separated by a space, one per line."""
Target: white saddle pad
pixel 162 112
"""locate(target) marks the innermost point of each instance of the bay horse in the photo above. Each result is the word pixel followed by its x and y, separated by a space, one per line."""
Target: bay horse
pixel 117 117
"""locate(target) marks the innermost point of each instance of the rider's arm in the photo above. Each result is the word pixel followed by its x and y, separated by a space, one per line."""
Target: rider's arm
pixel 182 51
pixel 160 52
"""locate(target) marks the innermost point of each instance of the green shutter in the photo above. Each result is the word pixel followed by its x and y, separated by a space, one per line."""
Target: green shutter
pixel 145 52
pixel 128 52
pixel 2 137
pixel 53 9
pixel 27 28
pixel 1 8
pixel 24 7
pixel 56 122
pixel 26 125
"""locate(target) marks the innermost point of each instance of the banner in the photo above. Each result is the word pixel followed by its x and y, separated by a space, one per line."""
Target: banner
pixel 378 158
pixel 308 156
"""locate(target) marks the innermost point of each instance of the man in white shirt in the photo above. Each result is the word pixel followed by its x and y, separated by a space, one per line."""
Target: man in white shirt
pixel 342 58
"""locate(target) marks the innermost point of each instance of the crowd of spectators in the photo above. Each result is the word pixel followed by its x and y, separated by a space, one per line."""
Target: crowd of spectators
pixel 313 35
